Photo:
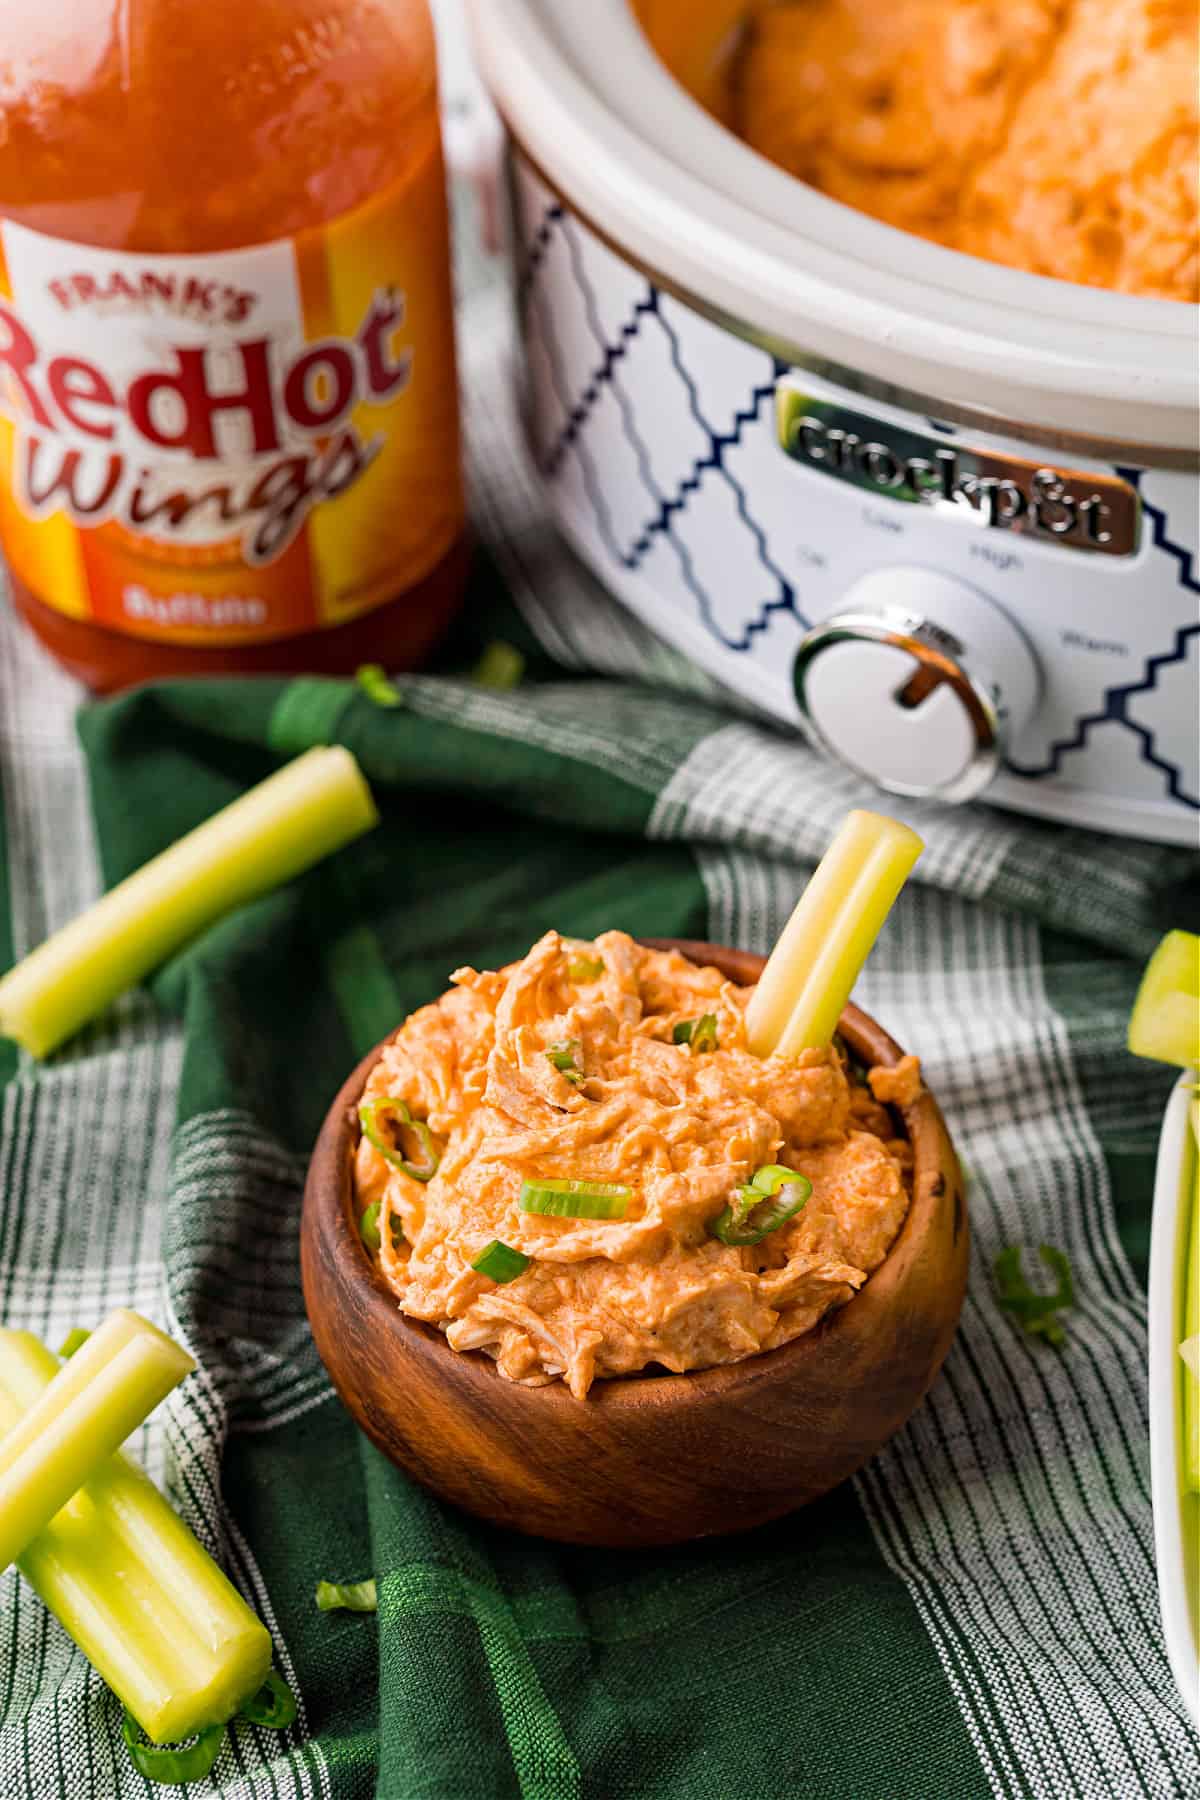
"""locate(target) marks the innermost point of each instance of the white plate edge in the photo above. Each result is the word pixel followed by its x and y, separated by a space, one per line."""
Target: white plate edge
pixel 1183 1652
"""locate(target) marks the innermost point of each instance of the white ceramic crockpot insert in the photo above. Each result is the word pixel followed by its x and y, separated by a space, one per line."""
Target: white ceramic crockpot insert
pixel 672 282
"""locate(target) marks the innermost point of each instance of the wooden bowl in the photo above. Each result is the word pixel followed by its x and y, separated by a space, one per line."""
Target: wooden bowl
pixel 644 1459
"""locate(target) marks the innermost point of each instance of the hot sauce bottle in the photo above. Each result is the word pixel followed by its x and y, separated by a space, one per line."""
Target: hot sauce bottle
pixel 228 409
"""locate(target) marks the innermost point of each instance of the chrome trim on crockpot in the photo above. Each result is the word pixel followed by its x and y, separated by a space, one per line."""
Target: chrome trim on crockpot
pixel 938 655
pixel 1107 450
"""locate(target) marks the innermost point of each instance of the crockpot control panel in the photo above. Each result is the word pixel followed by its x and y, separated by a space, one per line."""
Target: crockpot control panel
pixel 934 601
pixel 918 682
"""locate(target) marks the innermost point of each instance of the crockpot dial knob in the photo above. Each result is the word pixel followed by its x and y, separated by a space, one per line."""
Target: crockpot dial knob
pixel 918 682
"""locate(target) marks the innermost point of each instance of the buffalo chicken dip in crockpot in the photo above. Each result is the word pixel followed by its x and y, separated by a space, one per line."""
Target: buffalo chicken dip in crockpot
pixel 1059 136
pixel 576 1165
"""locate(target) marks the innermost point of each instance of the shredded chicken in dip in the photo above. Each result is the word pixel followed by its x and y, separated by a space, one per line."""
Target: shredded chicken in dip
pixel 1058 136
pixel 574 1065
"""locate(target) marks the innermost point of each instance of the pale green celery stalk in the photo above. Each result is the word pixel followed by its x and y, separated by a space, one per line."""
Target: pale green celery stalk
pixel 288 822
pixel 822 948
pixel 1191 1322
pixel 93 1403
pixel 124 1576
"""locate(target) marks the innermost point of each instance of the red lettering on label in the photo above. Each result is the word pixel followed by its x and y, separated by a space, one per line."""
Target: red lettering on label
pixel 200 405
pixel 65 480
pixel 227 403
pixel 333 361
pixel 385 377
pixel 19 354
pixel 240 306
pixel 199 293
pixel 74 383
pixel 177 508
pixel 158 287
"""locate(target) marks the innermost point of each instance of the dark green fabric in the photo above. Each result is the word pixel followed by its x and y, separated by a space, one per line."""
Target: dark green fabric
pixel 786 1663
pixel 940 1628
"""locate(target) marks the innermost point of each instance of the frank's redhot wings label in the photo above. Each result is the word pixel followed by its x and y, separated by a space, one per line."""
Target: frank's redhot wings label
pixel 231 447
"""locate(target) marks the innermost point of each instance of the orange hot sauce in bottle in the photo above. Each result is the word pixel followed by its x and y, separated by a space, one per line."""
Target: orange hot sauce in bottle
pixel 228 409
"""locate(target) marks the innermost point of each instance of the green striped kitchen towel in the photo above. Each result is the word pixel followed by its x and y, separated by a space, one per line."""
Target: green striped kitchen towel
pixel 973 1615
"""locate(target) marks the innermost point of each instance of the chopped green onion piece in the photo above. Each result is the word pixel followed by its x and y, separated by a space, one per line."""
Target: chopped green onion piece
pixel 763 1206
pixel 74 1340
pixel 370 1118
pixel 368 1228
pixel 352 1596
pixel 169 1764
pixel 287 823
pixel 373 680
pixel 565 1058
pixel 772 1176
pixel 111 1384
pixel 273 1706
pixel 123 1575
pixel 500 666
pixel 574 1199
pixel 699 1034
pixel 1033 1310
pixel 585 968
pixel 501 1262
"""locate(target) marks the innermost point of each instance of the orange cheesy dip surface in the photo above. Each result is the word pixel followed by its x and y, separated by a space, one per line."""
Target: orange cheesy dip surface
pixel 1059 136
pixel 575 1065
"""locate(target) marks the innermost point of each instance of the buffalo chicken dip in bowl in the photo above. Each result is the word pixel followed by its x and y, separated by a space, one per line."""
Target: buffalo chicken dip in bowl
pixel 584 1264
pixel 576 1165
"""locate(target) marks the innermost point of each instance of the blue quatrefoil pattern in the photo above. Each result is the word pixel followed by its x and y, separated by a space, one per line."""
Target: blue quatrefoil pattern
pixel 654 430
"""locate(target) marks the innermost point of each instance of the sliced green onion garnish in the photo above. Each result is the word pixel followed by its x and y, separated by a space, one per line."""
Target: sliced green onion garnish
pixel 585 968
pixel 1033 1310
pixel 565 1058
pixel 373 680
pixel 772 1197
pixel 274 1705
pixel 500 666
pixel 772 1176
pixel 168 1763
pixel 368 1227
pixel 574 1199
pixel 699 1034
pixel 74 1340
pixel 501 1262
pixel 352 1596
pixel 370 1115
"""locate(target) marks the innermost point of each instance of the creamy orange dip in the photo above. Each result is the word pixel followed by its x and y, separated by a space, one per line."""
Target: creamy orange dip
pixel 679 1129
pixel 1059 136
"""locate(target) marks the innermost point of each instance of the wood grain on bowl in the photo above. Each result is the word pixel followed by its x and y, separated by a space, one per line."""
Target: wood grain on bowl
pixel 644 1459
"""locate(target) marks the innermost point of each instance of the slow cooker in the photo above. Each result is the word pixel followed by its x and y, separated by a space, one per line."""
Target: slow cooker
pixel 936 514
